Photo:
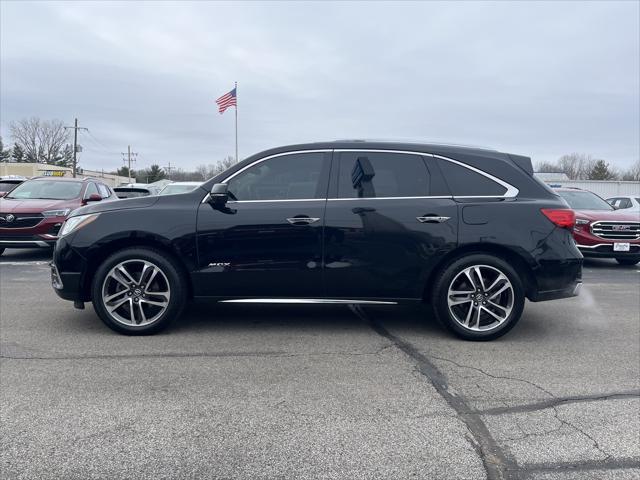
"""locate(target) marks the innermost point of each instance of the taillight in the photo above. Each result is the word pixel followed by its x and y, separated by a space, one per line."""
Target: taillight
pixel 561 217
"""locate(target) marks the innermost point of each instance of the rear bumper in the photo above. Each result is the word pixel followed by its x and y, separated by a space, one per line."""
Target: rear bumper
pixel 571 291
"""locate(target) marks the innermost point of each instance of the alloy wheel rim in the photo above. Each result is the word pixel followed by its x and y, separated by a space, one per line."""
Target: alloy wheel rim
pixel 136 293
pixel 480 298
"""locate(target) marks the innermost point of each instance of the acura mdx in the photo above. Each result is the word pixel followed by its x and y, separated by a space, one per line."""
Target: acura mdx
pixel 467 230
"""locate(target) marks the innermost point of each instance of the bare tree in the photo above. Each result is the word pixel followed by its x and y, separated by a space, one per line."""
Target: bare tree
pixel 223 165
pixel 41 140
pixel 632 174
pixel 548 167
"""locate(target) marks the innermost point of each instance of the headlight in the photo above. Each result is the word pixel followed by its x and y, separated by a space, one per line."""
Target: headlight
pixel 74 223
pixel 57 213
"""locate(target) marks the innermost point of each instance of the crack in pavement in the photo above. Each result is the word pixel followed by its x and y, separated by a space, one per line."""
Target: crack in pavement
pixel 496 463
pixel 191 355
pixel 580 466
pixel 499 377
pixel 557 401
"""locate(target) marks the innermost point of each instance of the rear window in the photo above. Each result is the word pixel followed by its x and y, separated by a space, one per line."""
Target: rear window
pixel 583 200
pixel 104 191
pixel 132 193
pixel 464 182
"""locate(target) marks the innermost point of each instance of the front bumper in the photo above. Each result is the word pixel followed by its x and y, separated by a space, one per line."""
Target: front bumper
pixel 605 250
pixel 26 241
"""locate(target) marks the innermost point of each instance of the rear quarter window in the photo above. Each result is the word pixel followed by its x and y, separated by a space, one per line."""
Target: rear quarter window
pixel 465 182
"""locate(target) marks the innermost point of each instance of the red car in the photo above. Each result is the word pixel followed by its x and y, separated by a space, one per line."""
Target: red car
pixel 32 213
pixel 601 230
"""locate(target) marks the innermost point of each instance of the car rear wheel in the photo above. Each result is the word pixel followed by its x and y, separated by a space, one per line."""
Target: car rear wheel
pixel 478 297
pixel 138 291
pixel 628 261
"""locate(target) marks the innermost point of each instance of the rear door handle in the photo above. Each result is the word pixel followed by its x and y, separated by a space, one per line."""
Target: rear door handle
pixel 302 220
pixel 432 219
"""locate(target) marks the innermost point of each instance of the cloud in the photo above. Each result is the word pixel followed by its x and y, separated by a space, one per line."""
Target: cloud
pixel 540 79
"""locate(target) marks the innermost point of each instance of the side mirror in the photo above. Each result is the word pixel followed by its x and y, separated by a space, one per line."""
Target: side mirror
pixel 219 195
pixel 94 197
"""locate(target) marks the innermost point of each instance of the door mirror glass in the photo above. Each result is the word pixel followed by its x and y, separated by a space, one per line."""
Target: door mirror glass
pixel 219 194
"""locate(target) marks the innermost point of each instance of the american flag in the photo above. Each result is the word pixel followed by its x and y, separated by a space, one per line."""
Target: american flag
pixel 227 100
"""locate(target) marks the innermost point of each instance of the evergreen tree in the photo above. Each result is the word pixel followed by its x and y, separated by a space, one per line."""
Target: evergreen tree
pixel 5 155
pixel 18 154
pixel 153 174
pixel 65 159
pixel 601 171
pixel 124 172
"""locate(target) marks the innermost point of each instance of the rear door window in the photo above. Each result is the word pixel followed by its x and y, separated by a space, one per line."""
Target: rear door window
pixel 464 182
pixel 375 174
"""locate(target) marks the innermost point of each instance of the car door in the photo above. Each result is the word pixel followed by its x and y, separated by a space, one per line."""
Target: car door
pixel 267 241
pixel 389 217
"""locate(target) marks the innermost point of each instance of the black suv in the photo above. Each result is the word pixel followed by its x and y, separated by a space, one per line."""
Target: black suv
pixel 468 230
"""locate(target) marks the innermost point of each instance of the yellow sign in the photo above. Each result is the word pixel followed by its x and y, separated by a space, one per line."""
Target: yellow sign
pixel 53 173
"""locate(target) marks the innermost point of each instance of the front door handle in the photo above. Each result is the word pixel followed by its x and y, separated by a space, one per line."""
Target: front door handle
pixel 302 220
pixel 432 219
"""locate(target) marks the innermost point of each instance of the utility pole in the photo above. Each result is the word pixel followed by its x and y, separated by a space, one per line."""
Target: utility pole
pixel 129 154
pixel 75 144
pixel 168 169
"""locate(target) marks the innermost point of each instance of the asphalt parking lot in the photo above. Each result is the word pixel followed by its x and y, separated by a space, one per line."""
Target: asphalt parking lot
pixel 319 392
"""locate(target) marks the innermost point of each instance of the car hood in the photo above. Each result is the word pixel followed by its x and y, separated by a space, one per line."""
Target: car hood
pixel 123 204
pixel 10 205
pixel 604 215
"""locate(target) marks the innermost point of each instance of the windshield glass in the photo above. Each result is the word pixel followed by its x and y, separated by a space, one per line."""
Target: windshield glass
pixel 131 193
pixel 581 200
pixel 6 186
pixel 47 189
pixel 172 189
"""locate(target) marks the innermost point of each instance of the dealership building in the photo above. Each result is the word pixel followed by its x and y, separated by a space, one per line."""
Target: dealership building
pixel 29 170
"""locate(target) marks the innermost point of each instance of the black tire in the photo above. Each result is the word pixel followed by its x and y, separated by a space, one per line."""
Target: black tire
pixel 173 275
pixel 448 275
pixel 628 261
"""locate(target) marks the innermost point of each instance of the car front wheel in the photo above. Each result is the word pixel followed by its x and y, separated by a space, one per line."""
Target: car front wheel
pixel 138 291
pixel 478 297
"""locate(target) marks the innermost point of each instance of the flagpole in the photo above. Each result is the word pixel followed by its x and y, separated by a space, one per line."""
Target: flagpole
pixel 236 89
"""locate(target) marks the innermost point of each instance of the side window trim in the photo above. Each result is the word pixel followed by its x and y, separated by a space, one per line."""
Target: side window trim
pixel 263 159
pixel 510 193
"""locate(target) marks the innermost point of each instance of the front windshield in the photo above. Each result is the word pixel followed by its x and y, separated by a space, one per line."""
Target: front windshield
pixel 47 190
pixel 172 189
pixel 7 186
pixel 581 200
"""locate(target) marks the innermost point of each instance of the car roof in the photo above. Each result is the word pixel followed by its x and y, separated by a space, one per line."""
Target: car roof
pixel 387 145
pixel 183 183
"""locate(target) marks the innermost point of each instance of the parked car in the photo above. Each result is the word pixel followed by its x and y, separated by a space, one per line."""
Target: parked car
pixel 179 187
pixel 33 212
pixel 134 191
pixel 601 230
pixel 627 203
pixel 9 182
pixel 470 231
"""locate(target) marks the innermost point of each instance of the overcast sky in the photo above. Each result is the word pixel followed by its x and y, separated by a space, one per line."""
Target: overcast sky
pixel 538 79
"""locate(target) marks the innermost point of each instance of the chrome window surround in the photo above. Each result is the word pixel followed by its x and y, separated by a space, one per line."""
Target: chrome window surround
pixel 511 192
